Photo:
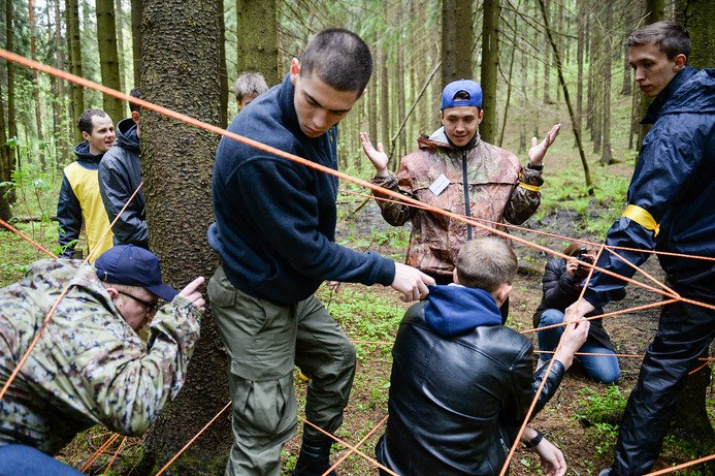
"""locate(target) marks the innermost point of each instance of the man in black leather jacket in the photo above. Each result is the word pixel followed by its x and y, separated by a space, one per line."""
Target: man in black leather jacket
pixel 461 382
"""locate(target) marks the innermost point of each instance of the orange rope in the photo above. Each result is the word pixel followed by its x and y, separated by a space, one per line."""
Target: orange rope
pixel 116 453
pixel 360 443
pixel 682 466
pixel 26 238
pixel 347 445
pixel 191 441
pixel 88 464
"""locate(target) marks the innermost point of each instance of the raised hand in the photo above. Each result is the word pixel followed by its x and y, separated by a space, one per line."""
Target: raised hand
pixel 538 151
pixel 378 157
pixel 191 293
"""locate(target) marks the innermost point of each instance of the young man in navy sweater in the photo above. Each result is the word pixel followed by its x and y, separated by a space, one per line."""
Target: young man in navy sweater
pixel 275 232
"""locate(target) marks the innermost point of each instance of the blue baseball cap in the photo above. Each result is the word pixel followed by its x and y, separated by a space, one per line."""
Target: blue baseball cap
pixel 133 266
pixel 470 87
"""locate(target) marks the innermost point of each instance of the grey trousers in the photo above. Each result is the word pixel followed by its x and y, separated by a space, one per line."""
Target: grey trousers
pixel 264 341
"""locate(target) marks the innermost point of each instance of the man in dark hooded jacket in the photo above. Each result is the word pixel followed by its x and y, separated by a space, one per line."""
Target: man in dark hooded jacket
pixel 461 382
pixel 670 209
pixel 120 174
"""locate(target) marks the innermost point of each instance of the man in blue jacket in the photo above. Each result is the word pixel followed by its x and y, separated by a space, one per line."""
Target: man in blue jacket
pixel 120 174
pixel 461 382
pixel 275 232
pixel 670 209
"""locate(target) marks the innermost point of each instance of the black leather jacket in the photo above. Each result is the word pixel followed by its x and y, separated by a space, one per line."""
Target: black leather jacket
pixel 461 385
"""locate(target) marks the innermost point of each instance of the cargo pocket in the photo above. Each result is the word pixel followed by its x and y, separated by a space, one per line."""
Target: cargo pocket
pixel 264 408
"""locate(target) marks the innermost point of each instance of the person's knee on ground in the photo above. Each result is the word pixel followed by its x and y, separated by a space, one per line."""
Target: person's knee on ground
pixel 548 339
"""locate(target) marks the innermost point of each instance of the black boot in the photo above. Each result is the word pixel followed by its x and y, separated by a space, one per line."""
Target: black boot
pixel 314 457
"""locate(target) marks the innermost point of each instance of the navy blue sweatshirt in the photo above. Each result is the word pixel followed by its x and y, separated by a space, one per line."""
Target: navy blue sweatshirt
pixel 275 219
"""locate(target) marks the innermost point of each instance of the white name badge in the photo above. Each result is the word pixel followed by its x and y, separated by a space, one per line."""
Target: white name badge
pixel 439 185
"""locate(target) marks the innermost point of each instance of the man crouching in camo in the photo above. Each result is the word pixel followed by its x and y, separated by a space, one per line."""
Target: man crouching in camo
pixel 89 365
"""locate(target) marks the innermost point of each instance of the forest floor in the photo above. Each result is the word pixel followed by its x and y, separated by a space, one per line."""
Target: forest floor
pixel 582 418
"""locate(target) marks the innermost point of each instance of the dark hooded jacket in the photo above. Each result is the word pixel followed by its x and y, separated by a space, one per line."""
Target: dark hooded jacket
pixel 673 181
pixel 460 387
pixel 560 291
pixel 120 174
pixel 275 218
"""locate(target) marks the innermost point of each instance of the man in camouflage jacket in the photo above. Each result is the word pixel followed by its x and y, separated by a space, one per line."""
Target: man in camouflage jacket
pixel 89 366
pixel 499 188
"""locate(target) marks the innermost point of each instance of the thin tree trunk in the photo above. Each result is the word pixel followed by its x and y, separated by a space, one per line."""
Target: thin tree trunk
pixel 523 115
pixel 36 85
pixel 75 50
pixel 579 75
pixel 607 154
pixel 61 98
pixel 547 59
pixel 119 16
pixel 584 163
pixel 5 167
pixel 511 71
pixel 372 94
pixel 136 18
pixel 490 65
pixel 108 57
pixel 177 161
pixel 385 100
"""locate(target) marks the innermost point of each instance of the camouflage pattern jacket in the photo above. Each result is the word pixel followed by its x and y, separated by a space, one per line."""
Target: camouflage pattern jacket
pixel 88 366
pixel 494 176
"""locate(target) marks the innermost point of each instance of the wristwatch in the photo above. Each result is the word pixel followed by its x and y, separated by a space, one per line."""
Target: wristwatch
pixel 534 442
pixel 535 167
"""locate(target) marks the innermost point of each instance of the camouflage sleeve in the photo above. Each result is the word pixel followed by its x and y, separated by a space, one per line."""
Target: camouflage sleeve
pixel 524 202
pixel 396 214
pixel 130 385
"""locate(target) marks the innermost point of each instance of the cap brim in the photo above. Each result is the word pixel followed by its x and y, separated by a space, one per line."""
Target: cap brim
pixel 164 291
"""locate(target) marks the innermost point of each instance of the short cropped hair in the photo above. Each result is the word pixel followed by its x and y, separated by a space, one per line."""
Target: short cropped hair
pixel 135 93
pixel 486 263
pixel 340 58
pixel 85 119
pixel 250 84
pixel 670 38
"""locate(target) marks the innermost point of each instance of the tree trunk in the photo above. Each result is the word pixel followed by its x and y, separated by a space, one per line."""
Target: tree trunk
pixel 597 63
pixel 547 59
pixel 177 160
pixel 137 14
pixel 75 55
pixel 490 65
pixel 457 40
pixel 385 102
pixel 119 26
pixel 372 94
pixel 223 70
pixel 579 60
pixel 36 85
pixel 63 140
pixel 108 57
pixel 606 153
pixel 5 167
pixel 257 38
pixel 627 88
pixel 693 422
pixel 700 22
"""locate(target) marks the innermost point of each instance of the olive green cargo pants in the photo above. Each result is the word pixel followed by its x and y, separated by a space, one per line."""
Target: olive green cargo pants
pixel 264 341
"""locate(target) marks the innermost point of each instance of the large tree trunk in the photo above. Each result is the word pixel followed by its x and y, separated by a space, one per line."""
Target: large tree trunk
pixel 177 160
pixel 693 422
pixel 457 40
pixel 75 56
pixel 490 64
pixel 700 21
pixel 257 38
pixel 108 57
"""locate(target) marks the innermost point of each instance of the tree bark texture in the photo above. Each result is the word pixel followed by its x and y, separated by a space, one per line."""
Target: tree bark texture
pixel 11 110
pixel 457 40
pixel 137 14
pixel 119 26
pixel 177 161
pixel 5 167
pixel 109 58
pixel 490 65
pixel 257 38
pixel 75 56
pixel 700 22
